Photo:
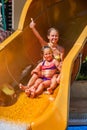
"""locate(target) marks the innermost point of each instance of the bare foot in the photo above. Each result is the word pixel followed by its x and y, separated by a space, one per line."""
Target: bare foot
pixel 50 90
pixel 33 94
pixel 22 87
pixel 28 92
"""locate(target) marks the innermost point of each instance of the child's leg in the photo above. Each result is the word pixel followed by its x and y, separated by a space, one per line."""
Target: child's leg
pixel 30 83
pixel 42 86
pixel 38 91
pixel 53 84
pixel 32 79
pixel 32 89
pixel 58 79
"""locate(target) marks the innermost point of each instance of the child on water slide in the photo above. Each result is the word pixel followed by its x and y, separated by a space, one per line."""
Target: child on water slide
pixel 48 75
pixel 53 38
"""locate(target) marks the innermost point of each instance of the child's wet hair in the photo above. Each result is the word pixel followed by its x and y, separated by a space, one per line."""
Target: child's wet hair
pixel 50 29
pixel 45 47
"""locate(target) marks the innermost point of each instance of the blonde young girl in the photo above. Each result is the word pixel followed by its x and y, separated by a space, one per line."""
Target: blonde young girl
pixel 45 71
pixel 53 38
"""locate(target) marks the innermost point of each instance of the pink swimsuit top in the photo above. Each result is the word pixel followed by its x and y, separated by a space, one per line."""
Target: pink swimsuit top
pixel 51 66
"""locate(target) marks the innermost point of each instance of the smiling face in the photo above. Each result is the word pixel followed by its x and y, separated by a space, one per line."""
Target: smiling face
pixel 47 54
pixel 53 36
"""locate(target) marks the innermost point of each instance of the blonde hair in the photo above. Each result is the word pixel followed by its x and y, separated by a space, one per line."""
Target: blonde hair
pixel 50 29
pixel 45 47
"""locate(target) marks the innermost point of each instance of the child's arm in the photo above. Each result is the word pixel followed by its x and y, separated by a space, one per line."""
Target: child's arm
pixel 37 70
pixel 58 65
pixel 62 52
pixel 39 37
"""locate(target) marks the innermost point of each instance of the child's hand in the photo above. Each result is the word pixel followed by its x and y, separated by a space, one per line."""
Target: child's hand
pixel 34 71
pixel 32 24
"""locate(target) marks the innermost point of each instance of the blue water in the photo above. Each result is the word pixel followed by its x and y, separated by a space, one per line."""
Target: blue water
pixel 77 128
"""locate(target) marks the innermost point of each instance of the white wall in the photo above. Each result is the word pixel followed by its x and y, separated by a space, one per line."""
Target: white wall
pixel 17 6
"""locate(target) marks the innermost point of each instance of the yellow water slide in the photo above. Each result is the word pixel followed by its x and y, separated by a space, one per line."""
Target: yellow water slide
pixel 21 51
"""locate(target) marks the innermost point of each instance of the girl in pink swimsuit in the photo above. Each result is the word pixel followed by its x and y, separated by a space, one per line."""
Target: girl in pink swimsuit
pixel 45 71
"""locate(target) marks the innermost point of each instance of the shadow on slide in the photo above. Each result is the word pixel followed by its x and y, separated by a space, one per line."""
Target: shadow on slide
pixel 21 51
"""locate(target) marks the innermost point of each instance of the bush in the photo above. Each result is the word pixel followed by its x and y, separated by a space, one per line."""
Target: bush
pixel 83 71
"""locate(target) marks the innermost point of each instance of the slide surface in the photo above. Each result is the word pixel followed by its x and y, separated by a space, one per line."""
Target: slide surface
pixel 22 50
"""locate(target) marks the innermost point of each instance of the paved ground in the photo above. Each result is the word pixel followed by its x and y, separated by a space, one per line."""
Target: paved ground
pixel 78 100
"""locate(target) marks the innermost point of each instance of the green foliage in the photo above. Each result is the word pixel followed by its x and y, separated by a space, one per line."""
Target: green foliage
pixel 81 77
pixel 83 71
